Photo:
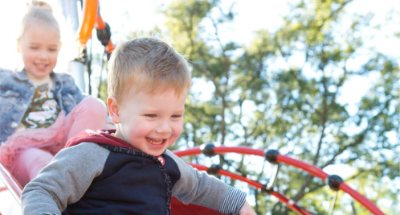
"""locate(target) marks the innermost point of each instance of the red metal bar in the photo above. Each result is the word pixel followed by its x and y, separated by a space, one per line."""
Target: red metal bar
pixel 221 150
pixel 229 174
pixel 360 198
pixel 239 149
pixel 313 170
pixel 188 152
pixel 288 202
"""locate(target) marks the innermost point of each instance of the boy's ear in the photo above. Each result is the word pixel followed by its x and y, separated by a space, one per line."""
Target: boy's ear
pixel 113 108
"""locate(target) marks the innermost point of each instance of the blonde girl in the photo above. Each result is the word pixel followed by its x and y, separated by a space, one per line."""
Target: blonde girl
pixel 40 109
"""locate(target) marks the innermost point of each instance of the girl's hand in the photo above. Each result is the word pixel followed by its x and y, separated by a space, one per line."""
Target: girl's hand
pixel 246 210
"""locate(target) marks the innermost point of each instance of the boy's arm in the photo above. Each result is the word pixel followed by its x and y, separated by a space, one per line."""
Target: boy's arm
pixel 64 180
pixel 202 189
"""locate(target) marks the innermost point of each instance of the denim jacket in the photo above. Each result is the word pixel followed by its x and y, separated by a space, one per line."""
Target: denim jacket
pixel 17 91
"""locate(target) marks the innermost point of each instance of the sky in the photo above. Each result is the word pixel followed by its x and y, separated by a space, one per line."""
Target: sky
pixel 124 16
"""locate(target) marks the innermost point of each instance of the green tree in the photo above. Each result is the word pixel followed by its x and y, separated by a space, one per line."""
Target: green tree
pixel 296 107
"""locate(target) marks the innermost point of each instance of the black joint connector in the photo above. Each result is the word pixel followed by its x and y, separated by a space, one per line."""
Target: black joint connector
pixel 104 35
pixel 266 191
pixel 214 169
pixel 334 181
pixel 208 149
pixel 271 156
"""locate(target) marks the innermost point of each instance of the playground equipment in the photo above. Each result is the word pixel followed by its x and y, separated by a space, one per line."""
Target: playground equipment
pixel 10 190
pixel 91 19
pixel 335 182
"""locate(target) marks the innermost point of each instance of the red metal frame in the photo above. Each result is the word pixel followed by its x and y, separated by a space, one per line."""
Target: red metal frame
pixel 288 202
pixel 313 170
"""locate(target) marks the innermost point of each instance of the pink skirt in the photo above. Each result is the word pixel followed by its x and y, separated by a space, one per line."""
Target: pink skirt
pixel 51 139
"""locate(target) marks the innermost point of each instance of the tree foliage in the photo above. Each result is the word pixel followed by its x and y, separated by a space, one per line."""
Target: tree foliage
pixel 284 90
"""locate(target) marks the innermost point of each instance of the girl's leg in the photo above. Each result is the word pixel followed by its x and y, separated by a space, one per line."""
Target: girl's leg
pixel 90 113
pixel 29 163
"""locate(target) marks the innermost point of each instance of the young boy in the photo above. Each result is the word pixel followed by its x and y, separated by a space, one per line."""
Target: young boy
pixel 131 171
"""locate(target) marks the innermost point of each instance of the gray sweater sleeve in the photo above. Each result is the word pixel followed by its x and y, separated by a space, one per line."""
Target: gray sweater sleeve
pixel 202 189
pixel 64 180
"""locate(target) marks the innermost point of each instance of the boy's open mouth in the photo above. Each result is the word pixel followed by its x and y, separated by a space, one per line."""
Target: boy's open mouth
pixel 155 141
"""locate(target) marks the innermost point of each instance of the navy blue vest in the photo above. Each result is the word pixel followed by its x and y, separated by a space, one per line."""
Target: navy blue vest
pixel 132 182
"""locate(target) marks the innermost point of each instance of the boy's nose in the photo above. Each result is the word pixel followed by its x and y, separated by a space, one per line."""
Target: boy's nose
pixel 164 128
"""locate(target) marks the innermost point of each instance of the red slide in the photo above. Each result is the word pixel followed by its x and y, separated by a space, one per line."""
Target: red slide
pixel 10 203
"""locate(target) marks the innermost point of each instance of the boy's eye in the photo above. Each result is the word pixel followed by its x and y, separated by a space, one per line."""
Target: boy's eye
pixel 176 116
pixel 52 50
pixel 151 115
pixel 33 47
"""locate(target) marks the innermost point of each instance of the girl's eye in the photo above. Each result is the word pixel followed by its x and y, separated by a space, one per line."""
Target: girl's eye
pixel 151 115
pixel 176 116
pixel 52 50
pixel 34 48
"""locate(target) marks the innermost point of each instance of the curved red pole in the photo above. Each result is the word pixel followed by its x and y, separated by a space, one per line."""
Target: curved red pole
pixel 220 150
pixel 321 174
pixel 313 170
pixel 229 174
pixel 188 152
pixel 288 202
pixel 360 198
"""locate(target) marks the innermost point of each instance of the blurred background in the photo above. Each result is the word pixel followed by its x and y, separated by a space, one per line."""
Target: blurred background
pixel 318 80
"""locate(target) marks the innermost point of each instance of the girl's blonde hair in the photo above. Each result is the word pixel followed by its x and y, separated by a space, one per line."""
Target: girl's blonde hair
pixel 147 65
pixel 41 16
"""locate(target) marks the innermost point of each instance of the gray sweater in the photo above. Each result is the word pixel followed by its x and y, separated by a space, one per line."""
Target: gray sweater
pixel 74 174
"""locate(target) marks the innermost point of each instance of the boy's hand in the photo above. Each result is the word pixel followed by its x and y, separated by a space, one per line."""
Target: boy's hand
pixel 246 210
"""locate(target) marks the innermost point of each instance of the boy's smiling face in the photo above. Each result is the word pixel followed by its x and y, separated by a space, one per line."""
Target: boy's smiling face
pixel 150 123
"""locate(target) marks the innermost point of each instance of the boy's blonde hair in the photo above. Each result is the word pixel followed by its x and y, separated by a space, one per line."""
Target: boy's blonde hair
pixel 37 15
pixel 147 65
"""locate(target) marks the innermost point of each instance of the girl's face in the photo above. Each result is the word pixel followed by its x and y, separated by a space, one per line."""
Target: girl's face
pixel 39 47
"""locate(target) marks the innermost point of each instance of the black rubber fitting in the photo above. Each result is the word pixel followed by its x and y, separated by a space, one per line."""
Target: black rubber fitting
pixel 266 191
pixel 271 156
pixel 334 181
pixel 214 169
pixel 104 35
pixel 208 149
